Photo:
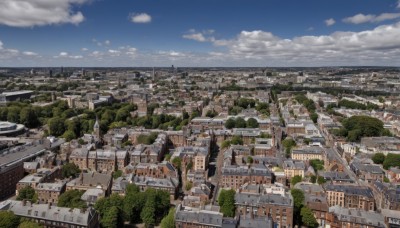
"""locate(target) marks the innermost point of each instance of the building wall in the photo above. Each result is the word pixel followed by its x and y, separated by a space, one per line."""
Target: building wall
pixel 9 179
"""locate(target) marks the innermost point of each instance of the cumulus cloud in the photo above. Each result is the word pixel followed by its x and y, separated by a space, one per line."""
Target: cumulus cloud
pixel 29 13
pixel 398 4
pixel 84 49
pixel 370 46
pixel 202 36
pixel 30 53
pixel 63 54
pixel 141 18
pixel 195 36
pixel 370 18
pixel 330 22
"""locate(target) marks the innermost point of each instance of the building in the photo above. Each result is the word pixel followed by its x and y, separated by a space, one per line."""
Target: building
pixel 11 166
pixel 367 172
pixel 52 216
pixel 293 168
pixel 50 192
pixel 277 207
pixel 340 217
pixel 308 153
pixel 387 195
pixel 350 196
pixel 235 176
pixel 15 96
pixel 11 129
pixel 86 181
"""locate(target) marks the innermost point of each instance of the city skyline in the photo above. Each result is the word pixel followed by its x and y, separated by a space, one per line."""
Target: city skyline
pixel 93 33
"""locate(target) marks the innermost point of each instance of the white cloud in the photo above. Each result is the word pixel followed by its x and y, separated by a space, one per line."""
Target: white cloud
pixel 84 49
pixel 379 45
pixel 29 13
pixel 398 4
pixel 310 29
pixel 63 54
pixel 330 22
pixel 199 36
pixel 76 57
pixel 371 18
pixel 141 18
pixel 107 42
pixel 30 53
pixel 195 36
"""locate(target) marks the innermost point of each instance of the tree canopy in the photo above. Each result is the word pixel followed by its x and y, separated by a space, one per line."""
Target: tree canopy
pixel 70 170
pixel 72 199
pixel 226 201
pixel 27 193
pixel 8 219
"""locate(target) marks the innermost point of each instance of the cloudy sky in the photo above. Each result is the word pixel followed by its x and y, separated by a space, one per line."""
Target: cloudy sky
pixel 128 33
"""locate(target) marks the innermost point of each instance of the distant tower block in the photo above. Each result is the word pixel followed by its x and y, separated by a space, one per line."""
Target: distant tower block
pixel 96 128
pixel 154 75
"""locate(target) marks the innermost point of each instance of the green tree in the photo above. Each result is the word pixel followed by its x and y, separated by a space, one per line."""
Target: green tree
pixel 314 117
pixel 28 117
pixel 252 123
pixel 378 158
pixel 69 135
pixel 249 160
pixel 237 140
pixel 8 219
pixel 317 164
pixel 298 201
pixel 169 220
pixel 148 213
pixel 240 122
pixel 230 123
pixel 29 224
pixel 72 199
pixel 27 193
pixel 226 201
pixel 226 144
pixel 321 180
pixel 307 217
pixel 56 126
pixel 177 162
pixel 13 114
pixel 117 174
pixel 296 179
pixel 70 170
pixel 112 218
pixel 391 160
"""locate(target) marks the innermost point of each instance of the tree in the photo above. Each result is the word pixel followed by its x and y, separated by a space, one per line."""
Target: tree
pixel 117 174
pixel 148 212
pixel 177 162
pixel 226 201
pixel 249 160
pixel 321 180
pixel 69 135
pixel 13 114
pixel 391 160
pixel 252 123
pixel 230 123
pixel 237 140
pixel 169 220
pixel 112 218
pixel 211 113
pixel 29 224
pixel 226 144
pixel 296 179
pixel 8 219
pixel 70 170
pixel 314 117
pixel 313 179
pixel 56 126
pixel 188 185
pixel 28 117
pixel 298 198
pixel 307 217
pixel 240 122
pixel 72 199
pixel 317 164
pixel 378 158
pixel 27 193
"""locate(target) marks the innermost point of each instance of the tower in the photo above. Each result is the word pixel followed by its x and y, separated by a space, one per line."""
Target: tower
pixel 96 128
pixel 154 75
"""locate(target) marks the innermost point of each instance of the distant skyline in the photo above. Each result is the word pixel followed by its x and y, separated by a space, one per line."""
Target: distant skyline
pixel 194 33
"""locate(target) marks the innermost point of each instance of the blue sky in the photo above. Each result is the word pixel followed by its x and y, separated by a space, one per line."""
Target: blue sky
pixel 199 33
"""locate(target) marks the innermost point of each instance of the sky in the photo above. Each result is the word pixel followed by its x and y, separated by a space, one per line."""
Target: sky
pixel 199 33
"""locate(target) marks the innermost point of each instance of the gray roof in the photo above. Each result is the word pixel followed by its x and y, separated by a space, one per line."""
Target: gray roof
pixel 256 199
pixel 358 216
pixel 197 216
pixel 53 213
pixel 350 189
